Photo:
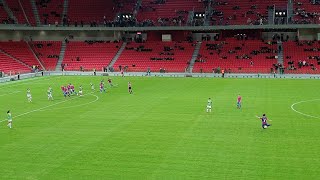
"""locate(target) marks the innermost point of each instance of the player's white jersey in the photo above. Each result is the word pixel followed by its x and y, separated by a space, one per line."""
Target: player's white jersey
pixel 28 93
pixel 209 105
pixel 49 94
pixel 80 91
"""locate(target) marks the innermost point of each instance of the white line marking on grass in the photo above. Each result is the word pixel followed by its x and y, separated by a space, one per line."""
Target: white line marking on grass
pixel 21 82
pixel 15 92
pixel 35 110
pixel 292 107
pixel 97 98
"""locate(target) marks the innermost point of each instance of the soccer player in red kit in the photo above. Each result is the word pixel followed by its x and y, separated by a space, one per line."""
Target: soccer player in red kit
pixel 63 91
pixel 239 99
pixel 264 119
pixel 102 89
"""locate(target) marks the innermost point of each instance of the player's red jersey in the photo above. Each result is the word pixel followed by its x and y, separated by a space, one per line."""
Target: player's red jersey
pixel 264 119
pixel 239 98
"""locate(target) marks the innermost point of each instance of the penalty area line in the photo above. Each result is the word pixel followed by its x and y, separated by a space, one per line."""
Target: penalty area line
pixel 15 92
pixel 97 98
pixel 39 109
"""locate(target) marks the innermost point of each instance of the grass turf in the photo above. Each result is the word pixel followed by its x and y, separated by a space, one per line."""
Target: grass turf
pixel 161 131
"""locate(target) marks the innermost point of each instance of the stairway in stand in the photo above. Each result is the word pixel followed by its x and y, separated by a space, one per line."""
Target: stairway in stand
pixel 35 12
pixel 9 11
pixel 65 9
pixel 116 57
pixel 61 56
pixel 194 57
pixel 280 54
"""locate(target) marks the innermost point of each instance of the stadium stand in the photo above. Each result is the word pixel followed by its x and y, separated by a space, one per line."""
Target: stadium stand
pixel 246 12
pixel 231 54
pixel 305 12
pixel 302 57
pixel 93 12
pixel 9 65
pixel 4 19
pixel 158 56
pixel 19 10
pixel 50 12
pixel 89 55
pixel 241 56
pixel 173 12
pixel 20 50
pixel 125 6
pixel 158 12
pixel 47 52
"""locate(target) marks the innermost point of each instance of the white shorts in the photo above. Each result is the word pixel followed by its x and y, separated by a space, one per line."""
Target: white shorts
pixel 208 107
pixel 10 121
pixel 49 95
pixel 80 92
pixel 29 96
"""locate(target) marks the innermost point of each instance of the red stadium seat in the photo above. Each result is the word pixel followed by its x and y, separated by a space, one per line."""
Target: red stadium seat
pixel 18 11
pixel 141 60
pixel 21 51
pixel 89 56
pixel 227 58
pixel 47 52
pixel 302 51
pixel 9 65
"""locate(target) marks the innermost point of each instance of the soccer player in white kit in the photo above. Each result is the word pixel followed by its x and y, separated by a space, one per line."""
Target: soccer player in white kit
pixel 49 92
pixel 209 105
pixel 92 86
pixel 80 91
pixel 9 119
pixel 29 96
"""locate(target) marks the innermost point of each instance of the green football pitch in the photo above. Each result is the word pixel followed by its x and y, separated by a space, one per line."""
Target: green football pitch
pixel 162 131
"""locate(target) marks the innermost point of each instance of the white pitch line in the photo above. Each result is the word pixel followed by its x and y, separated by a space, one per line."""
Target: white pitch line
pixel 35 110
pixel 15 92
pixel 18 83
pixel 97 98
pixel 304 113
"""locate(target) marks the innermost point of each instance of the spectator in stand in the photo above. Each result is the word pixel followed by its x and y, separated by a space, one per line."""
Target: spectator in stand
pixel 300 64
pixel 251 63
pixel 304 63
pixel 248 21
